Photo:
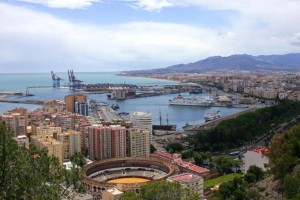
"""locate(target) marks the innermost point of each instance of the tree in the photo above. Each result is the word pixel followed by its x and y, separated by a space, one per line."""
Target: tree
pixel 257 171
pixel 250 178
pixel 227 134
pixel 174 147
pixel 28 173
pixel 73 176
pixel 152 148
pixel 199 157
pixel 224 165
pixel 161 190
pixel 130 195
pixel 291 186
pixel 283 152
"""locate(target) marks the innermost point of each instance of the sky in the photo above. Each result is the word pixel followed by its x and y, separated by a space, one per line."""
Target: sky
pixel 119 35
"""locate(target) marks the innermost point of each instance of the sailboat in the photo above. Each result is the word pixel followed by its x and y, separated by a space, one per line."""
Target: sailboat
pixel 167 127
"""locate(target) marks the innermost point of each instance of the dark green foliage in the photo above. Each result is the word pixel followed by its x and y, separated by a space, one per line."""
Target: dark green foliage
pixel 284 159
pixel 283 153
pixel 250 178
pixel 257 171
pixel 152 148
pixel 161 190
pixel 174 147
pixel 244 129
pixel 239 195
pixel 224 165
pixel 237 189
pixel 291 186
pixel 199 157
pixel 252 194
pixel 28 173
pixel 130 195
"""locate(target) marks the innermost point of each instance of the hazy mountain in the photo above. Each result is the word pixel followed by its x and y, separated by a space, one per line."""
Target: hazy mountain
pixel 235 62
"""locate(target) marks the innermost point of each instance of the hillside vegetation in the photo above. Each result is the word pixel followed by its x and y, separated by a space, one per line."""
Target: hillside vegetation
pixel 245 129
pixel 285 161
pixel 282 181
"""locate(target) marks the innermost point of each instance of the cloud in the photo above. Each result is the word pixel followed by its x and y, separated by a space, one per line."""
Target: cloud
pixel 31 40
pixel 150 5
pixel 71 4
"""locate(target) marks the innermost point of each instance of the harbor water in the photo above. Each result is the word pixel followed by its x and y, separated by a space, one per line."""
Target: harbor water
pixel 178 115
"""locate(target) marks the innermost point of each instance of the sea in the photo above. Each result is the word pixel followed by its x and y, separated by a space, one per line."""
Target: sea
pixel 158 106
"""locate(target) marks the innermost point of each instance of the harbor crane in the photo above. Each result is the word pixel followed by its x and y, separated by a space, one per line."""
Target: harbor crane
pixel 73 82
pixel 56 80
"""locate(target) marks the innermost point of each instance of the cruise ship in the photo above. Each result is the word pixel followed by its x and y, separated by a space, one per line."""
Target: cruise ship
pixel 192 101
pixel 210 116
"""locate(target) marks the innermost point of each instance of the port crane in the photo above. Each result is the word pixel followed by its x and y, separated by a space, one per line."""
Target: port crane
pixel 56 80
pixel 73 82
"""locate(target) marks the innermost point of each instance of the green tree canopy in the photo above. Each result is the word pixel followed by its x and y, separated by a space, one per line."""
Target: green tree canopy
pixel 257 171
pixel 161 190
pixel 28 173
pixel 174 147
pixel 244 129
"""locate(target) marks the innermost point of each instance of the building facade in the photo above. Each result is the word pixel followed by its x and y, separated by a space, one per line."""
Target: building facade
pixel 71 141
pixel 139 145
pixel 16 122
pixel 106 142
pixel 72 99
pixel 257 157
pixel 142 120
pixel 191 181
pixel 54 147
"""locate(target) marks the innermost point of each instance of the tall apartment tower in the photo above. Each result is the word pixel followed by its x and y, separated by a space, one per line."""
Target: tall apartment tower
pixel 139 145
pixel 118 141
pixel 72 99
pixel 106 142
pixel 82 108
pixel 17 120
pixel 71 142
pixel 142 120
pixel 54 147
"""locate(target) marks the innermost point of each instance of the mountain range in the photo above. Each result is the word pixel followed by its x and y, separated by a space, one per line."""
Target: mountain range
pixel 286 62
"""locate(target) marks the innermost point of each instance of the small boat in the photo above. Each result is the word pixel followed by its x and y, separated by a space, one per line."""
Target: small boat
pixel 210 116
pixel 188 126
pixel 115 107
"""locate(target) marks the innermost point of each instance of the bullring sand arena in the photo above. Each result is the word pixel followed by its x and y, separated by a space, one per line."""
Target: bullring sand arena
pixel 129 180
pixel 132 172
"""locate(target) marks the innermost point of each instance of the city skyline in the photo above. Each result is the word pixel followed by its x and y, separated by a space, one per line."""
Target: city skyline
pixel 116 35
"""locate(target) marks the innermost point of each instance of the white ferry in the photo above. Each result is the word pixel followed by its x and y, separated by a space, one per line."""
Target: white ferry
pixel 210 116
pixel 192 101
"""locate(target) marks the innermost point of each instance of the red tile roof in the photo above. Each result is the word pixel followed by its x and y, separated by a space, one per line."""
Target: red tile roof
pixel 180 162
pixel 262 150
pixel 185 177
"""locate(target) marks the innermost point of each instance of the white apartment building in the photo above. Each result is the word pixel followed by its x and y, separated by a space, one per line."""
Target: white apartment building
pixel 257 157
pixel 142 120
pixel 191 181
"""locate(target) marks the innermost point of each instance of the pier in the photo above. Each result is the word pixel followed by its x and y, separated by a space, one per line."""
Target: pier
pixel 40 87
pixel 23 102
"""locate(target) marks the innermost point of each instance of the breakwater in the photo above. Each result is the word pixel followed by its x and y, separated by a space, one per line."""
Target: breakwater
pixel 23 102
